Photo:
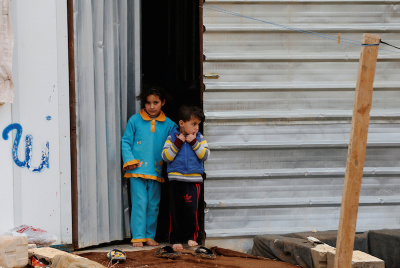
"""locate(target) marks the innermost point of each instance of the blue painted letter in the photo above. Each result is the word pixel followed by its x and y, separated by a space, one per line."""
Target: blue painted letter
pixel 28 149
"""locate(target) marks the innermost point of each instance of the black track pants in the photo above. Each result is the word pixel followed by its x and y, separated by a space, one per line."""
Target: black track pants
pixel 183 206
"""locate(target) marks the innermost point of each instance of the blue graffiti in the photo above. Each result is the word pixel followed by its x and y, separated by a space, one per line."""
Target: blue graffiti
pixel 44 162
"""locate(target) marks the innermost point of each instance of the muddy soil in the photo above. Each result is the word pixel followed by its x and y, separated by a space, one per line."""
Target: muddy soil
pixel 225 258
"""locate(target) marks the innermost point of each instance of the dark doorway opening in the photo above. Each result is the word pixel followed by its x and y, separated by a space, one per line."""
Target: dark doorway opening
pixel 170 50
pixel 171 60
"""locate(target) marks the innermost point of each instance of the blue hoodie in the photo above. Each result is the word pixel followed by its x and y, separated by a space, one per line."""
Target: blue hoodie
pixel 185 160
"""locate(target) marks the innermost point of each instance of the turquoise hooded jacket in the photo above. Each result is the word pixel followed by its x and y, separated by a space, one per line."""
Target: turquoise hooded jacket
pixel 142 143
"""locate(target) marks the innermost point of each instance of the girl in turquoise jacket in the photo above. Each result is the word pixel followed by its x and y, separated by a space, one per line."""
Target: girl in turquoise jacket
pixel 142 144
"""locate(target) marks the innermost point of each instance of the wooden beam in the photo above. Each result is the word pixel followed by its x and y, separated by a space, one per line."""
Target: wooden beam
pixel 356 152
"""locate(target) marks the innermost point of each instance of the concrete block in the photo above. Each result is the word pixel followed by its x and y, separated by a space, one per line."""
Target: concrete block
pixel 13 251
pixel 320 255
pixel 360 260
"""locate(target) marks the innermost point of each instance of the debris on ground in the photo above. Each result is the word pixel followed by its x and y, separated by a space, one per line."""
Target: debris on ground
pixel 317 250
pixel 35 235
pixel 60 259
pixel 38 263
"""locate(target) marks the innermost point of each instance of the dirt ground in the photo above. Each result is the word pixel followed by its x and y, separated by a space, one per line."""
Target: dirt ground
pixel 225 258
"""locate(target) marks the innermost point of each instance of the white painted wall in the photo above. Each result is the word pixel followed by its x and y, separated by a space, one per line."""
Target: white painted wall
pixel 6 171
pixel 41 106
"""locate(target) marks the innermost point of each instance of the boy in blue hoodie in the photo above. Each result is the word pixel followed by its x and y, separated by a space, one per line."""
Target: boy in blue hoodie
pixel 185 151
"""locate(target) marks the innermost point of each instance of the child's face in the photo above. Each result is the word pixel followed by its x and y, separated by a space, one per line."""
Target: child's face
pixel 153 105
pixel 190 127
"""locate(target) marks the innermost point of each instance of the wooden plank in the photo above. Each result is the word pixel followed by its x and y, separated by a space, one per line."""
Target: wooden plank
pixel 356 152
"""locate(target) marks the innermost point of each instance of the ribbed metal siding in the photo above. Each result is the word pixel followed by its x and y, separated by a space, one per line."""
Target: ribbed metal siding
pixel 107 63
pixel 278 117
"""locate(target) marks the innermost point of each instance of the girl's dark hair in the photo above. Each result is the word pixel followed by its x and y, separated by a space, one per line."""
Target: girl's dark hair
pixel 186 112
pixel 154 90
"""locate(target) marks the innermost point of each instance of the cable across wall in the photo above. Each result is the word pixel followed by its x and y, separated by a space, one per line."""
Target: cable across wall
pixel 339 39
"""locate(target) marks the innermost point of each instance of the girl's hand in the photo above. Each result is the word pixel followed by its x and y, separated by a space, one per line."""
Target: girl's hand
pixel 190 137
pixel 181 137
pixel 130 167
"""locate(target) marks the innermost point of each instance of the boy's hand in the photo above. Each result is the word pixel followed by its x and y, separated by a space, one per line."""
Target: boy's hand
pixel 190 137
pixel 181 137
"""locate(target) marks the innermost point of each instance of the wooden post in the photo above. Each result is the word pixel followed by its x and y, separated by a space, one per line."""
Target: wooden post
pixel 356 152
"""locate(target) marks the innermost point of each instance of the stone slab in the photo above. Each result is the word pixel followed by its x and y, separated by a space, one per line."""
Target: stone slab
pixel 62 261
pixel 48 253
pixel 320 255
pixel 360 260
pixel 330 237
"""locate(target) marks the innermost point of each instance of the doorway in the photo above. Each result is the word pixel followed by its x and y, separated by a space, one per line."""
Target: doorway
pixel 171 60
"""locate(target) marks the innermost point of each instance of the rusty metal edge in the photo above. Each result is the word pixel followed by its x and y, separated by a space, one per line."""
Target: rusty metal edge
pixel 72 112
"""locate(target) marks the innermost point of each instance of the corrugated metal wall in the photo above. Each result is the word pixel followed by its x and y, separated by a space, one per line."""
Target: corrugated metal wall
pixel 278 117
pixel 107 63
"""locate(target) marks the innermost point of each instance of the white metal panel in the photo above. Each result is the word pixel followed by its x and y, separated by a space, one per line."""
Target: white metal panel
pixel 6 172
pixel 40 194
pixel 278 116
pixel 63 122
